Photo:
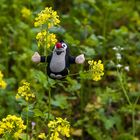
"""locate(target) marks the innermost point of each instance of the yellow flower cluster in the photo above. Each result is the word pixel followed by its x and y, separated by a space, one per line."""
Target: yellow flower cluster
pixel 47 16
pixel 50 18
pixel 25 92
pixel 42 136
pixel 12 125
pixel 51 39
pixel 41 37
pixel 25 12
pixel 2 82
pixel 46 38
pixel 59 127
pixel 96 69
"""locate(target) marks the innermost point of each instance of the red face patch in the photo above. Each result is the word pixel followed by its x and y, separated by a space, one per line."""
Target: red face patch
pixel 58 45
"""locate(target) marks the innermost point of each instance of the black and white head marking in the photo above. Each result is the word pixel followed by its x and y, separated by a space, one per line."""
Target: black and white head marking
pixel 62 49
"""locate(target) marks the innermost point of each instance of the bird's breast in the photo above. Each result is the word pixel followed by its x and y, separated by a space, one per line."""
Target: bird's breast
pixel 58 62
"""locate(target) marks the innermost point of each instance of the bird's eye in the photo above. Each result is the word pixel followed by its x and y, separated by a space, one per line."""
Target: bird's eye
pixel 64 45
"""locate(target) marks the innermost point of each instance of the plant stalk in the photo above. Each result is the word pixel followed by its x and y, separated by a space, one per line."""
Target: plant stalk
pixel 49 108
pixel 27 121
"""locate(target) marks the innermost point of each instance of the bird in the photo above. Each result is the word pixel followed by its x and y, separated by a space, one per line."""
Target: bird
pixel 59 60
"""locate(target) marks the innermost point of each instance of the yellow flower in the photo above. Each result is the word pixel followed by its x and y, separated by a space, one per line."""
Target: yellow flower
pixel 59 126
pixel 46 38
pixel 55 136
pixel 1 75
pixel 47 16
pixel 25 12
pixel 12 125
pixel 50 18
pixel 51 39
pixel 3 84
pixel 41 37
pixel 90 62
pixel 16 134
pixel 42 136
pixel 25 92
pixel 96 69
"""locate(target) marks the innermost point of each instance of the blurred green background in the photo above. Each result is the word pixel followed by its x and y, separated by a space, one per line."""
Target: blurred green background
pixel 108 30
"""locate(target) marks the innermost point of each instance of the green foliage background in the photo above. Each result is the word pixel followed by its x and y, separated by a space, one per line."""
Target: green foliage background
pixel 96 110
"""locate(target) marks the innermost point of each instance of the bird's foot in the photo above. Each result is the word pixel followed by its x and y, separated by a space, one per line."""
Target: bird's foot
pixel 56 76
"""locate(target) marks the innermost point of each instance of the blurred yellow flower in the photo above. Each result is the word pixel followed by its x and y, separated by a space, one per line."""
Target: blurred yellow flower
pixel 25 92
pixel 42 136
pixel 46 38
pixel 136 18
pixel 3 84
pixel 59 126
pixel 89 107
pixel 48 17
pixel 41 37
pixel 76 132
pixel 96 69
pixel 12 125
pixel 25 12
pixel 95 105
pixel 51 39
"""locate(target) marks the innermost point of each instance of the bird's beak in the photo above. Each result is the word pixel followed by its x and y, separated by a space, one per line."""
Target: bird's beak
pixel 58 45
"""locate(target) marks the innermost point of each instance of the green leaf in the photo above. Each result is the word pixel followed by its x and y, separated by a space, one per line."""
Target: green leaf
pixel 109 123
pixel 94 132
pixel 60 101
pixel 89 52
pixel 37 113
pixel 125 137
pixel 92 40
pixel 73 85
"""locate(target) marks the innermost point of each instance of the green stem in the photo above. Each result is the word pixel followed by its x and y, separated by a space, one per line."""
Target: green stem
pixel 133 120
pixel 122 86
pixel 124 91
pixel 133 117
pixel 81 97
pixel 129 102
pixel 49 111
pixel 104 25
pixel 134 4
pixel 5 137
pixel 27 121
pixel 7 61
pixel 81 72
pixel 49 108
pixel 82 101
pixel 49 133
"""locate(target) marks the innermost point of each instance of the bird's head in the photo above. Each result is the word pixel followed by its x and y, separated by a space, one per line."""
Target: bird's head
pixel 60 47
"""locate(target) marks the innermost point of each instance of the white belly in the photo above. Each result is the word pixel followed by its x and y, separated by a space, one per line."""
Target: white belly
pixel 57 63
